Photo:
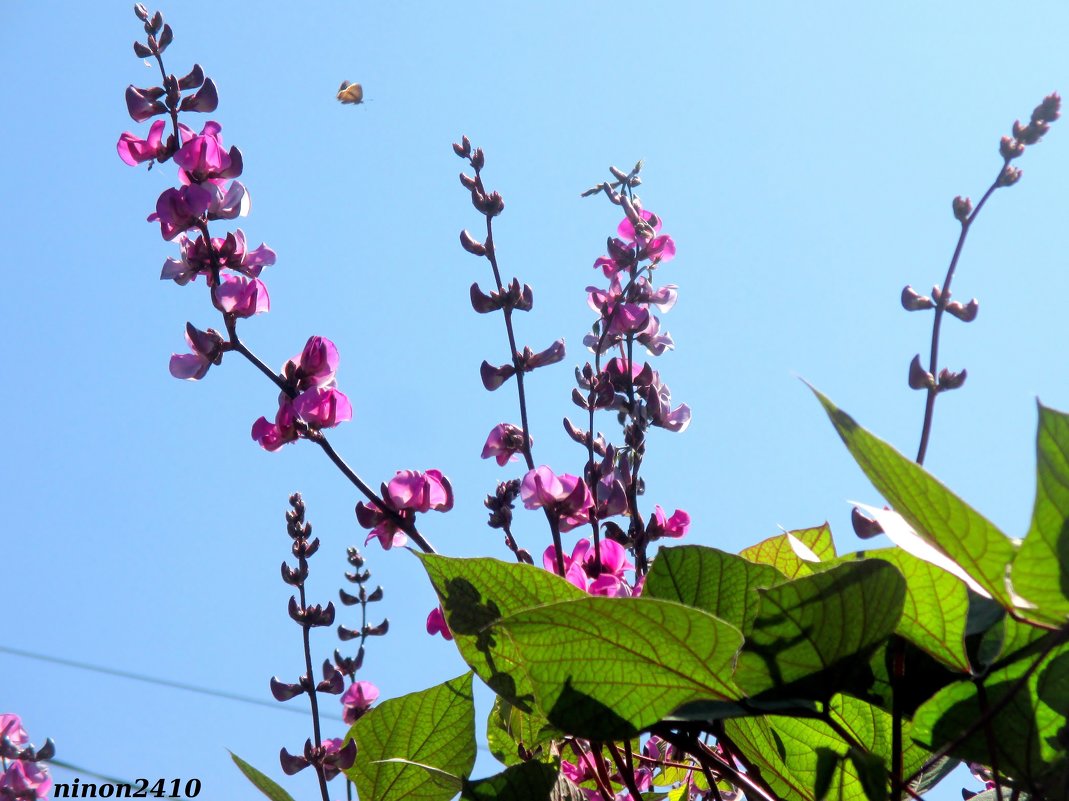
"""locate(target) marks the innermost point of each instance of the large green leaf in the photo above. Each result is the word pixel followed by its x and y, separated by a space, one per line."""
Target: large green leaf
pixel 805 759
pixel 1041 569
pixel 261 781
pixel 722 584
pixel 419 746
pixel 476 594
pixel 508 730
pixel 811 624
pixel 936 514
pixel 1025 732
pixel 605 668
pixel 784 551
pixel 935 610
pixel 527 781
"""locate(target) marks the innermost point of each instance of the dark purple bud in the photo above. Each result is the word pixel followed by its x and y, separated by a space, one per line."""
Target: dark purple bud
pixel 165 38
pixel 306 548
pixel 46 751
pixel 1047 111
pixel 295 611
pixel 937 295
pixel 524 557
pixel 345 634
pixel 193 79
pixel 551 355
pixel 1009 148
pixel 492 204
pixel 1009 176
pixel 580 400
pixel 471 244
pixel 322 616
pixel 347 599
pixel 962 208
pixel 478 159
pixel 284 692
pixel 333 682
pixel 291 764
pixel 912 301
pixel 526 300
pixel 377 631
pixel 208 344
pixel 483 303
pixel 141 51
pixel 949 380
pixel 919 378
pixel 141 12
pixel 468 182
pixel 618 174
pixel 866 528
pixel 205 100
pixel 156 22
pixel 463 149
pixel 353 557
pixel 375 596
pixel 1031 133
pixel 966 313
pixel 346 756
pixel 292 576
pixel 494 377
pixel 142 104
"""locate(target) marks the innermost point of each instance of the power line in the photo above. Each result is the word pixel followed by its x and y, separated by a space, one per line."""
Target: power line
pixel 123 674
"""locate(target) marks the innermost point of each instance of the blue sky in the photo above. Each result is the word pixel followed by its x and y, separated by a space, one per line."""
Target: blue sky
pixel 803 157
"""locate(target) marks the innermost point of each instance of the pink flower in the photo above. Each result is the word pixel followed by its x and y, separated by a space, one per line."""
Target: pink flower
pixel 11 727
pixel 203 158
pixel 660 525
pixel 272 436
pixel 436 624
pixel 567 496
pixel 231 253
pixel 134 151
pixel 358 700
pixel 383 527
pixel 420 492
pixel 323 407
pixel 242 297
pixel 207 350
pixel 178 210
pixel 234 202
pixel 604 577
pixel 24 780
pixel 656 248
pixel 316 364
pixel 504 443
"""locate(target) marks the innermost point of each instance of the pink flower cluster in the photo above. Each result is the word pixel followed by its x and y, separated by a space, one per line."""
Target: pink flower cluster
pixel 311 399
pixel 565 496
pixel 21 777
pixel 604 576
pixel 409 492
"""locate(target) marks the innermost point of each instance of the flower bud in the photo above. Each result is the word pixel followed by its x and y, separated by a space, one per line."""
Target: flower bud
pixel 141 51
pixel 949 380
pixel 966 313
pixel 483 303
pixel 864 527
pixel 1047 111
pixel 462 148
pixel 1009 176
pixel 478 159
pixel 494 377
pixel 141 12
pixel 937 295
pixel 205 100
pixel 1009 148
pixel 376 631
pixel 291 764
pixel 919 378
pixel 521 299
pixel 962 208
pixel 592 190
pixel 165 38
pixel 193 79
pixel 492 204
pixel 471 244
pixel 913 301
pixel 618 174
pixel 156 22
pixel 468 182
pixel 284 692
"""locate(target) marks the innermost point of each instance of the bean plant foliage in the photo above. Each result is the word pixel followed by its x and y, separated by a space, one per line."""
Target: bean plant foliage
pixel 630 668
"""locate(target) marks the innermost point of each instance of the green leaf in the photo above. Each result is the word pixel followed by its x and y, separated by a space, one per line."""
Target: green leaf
pixel 937 515
pixel 527 781
pixel 419 746
pixel 782 551
pixel 813 623
pixel 261 781
pixel 1024 732
pixel 605 668
pixel 508 729
pixel 1041 569
pixel 722 584
pixel 805 759
pixel 935 610
pixel 476 594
